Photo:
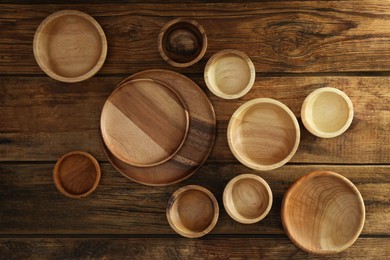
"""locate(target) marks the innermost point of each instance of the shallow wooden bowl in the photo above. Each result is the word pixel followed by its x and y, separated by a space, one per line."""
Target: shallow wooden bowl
pixel 70 46
pixel 263 134
pixel 229 74
pixel 323 213
pixel 327 112
pixel 144 122
pixel 182 42
pixel 76 174
pixel 247 198
pixel 192 211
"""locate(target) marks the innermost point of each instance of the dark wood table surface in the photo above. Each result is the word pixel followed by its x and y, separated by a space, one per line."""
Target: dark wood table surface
pixel 296 47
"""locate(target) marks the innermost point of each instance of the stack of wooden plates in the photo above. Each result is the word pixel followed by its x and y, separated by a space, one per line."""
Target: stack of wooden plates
pixel 158 127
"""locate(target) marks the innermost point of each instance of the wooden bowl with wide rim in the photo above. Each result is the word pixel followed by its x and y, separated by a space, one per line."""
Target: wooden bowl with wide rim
pixel 247 198
pixel 192 211
pixel 323 213
pixel 76 174
pixel 229 74
pixel 70 46
pixel 263 134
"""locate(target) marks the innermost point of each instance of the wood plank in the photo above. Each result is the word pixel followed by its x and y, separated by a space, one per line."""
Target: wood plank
pixel 178 248
pixel 41 119
pixel 30 203
pixel 287 36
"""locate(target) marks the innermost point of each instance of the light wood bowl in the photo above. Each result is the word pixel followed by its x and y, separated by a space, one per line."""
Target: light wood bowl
pixel 263 134
pixel 229 74
pixel 70 46
pixel 192 211
pixel 144 122
pixel 247 198
pixel 323 213
pixel 327 112
pixel 76 174
pixel 182 42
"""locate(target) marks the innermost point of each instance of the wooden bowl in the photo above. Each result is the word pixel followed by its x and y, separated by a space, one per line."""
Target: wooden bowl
pixel 192 211
pixel 76 174
pixel 229 74
pixel 70 46
pixel 323 213
pixel 144 122
pixel 263 134
pixel 182 42
pixel 247 198
pixel 327 112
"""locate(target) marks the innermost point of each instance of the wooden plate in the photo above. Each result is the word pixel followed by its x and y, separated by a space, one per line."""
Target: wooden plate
pixel 70 46
pixel 323 213
pixel 199 141
pixel 144 122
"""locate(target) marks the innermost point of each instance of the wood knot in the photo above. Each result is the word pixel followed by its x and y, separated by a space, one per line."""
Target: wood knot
pixel 182 42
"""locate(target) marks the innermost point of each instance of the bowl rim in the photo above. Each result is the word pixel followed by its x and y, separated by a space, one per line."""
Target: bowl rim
pixel 56 173
pixel 256 166
pixel 220 54
pixel 310 126
pixel 58 15
pixel 229 187
pixel 173 199
pixel 164 30
pixel 298 182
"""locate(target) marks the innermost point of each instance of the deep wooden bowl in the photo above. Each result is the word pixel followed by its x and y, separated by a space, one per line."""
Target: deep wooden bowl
pixel 144 122
pixel 327 112
pixel 76 174
pixel 323 213
pixel 263 134
pixel 192 211
pixel 229 74
pixel 247 198
pixel 182 42
pixel 70 46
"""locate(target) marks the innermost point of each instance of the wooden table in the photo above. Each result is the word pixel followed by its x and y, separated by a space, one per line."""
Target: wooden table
pixel 296 46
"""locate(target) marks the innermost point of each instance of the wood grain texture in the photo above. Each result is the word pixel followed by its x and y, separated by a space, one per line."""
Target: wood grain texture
pixel 120 206
pixel 293 36
pixel 32 107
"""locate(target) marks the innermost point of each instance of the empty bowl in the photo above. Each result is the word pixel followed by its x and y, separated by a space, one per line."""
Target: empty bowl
pixel 192 211
pixel 263 134
pixel 247 198
pixel 323 213
pixel 229 74
pixel 70 46
pixel 76 174
pixel 182 42
pixel 327 112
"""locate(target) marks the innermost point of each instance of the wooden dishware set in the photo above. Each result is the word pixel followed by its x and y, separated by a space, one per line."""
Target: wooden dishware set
pixel 158 128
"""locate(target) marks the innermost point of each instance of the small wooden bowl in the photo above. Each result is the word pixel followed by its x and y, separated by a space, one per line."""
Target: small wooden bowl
pixel 182 42
pixel 76 174
pixel 323 213
pixel 229 74
pixel 263 134
pixel 70 46
pixel 247 198
pixel 327 112
pixel 192 211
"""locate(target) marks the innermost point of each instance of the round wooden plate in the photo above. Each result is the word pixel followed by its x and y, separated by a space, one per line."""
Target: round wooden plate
pixel 199 141
pixel 144 122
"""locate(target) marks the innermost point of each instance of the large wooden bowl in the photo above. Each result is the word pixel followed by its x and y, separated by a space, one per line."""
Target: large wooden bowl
pixel 76 174
pixel 327 112
pixel 263 134
pixel 323 213
pixel 229 74
pixel 247 198
pixel 70 46
pixel 182 42
pixel 192 211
